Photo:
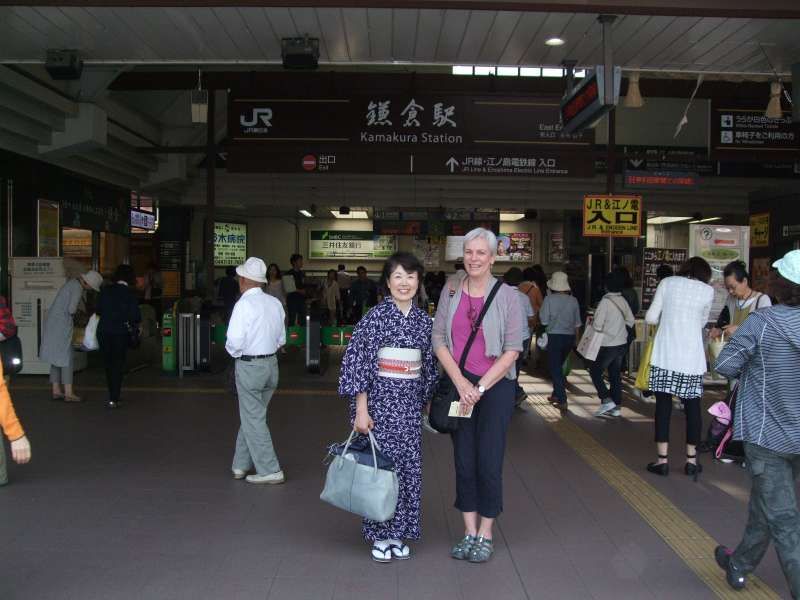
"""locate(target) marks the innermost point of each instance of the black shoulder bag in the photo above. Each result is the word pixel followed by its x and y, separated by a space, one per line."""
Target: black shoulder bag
pixel 11 354
pixel 446 392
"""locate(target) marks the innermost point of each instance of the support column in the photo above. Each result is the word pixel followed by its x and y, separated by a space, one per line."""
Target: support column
pixel 606 22
pixel 211 198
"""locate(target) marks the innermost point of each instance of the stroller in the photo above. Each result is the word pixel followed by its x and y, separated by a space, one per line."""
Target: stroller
pixel 719 439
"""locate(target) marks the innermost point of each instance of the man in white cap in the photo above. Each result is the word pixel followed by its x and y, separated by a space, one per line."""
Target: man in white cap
pixel 255 333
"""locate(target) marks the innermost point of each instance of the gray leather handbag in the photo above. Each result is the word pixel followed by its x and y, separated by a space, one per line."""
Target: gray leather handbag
pixel 362 489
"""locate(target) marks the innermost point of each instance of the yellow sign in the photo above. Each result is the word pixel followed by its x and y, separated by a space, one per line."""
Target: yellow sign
pixel 759 230
pixel 612 215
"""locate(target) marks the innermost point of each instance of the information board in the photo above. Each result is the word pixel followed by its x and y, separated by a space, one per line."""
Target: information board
pixel 326 244
pixel 607 215
pixel 230 244
pixel 719 245
pixel 759 230
pixel 654 258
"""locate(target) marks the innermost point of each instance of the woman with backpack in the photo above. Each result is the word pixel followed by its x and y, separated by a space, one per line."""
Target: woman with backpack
pixel 764 354
pixel 612 319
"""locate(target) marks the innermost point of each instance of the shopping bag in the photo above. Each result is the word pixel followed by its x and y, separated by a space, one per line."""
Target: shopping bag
pixel 589 346
pixel 365 490
pixel 566 368
pixel 715 347
pixel 89 342
pixel 643 375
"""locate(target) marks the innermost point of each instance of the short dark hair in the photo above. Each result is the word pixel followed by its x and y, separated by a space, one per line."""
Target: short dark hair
pixel 783 290
pixel 230 271
pixel 361 268
pixel 627 280
pixel 340 267
pixel 125 273
pixel 739 271
pixel 277 269
pixel 663 271
pixel 696 268
pixel 294 258
pixel 513 276
pixel 410 264
pixel 615 281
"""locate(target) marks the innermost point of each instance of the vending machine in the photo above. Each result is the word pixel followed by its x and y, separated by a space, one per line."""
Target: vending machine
pixel 34 285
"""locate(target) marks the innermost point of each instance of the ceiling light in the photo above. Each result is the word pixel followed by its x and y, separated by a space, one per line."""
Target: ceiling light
pixel 351 214
pixel 711 219
pixel 508 71
pixel 774 110
pixel 634 97
pixel 511 216
pixel 666 220
pixel 306 213
pixel 554 41
pixel 484 70
pixel 199 100
pixel 552 72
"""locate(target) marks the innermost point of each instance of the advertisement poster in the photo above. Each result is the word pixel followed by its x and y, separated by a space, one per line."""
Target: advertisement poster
pixel 230 244
pixel 654 258
pixel 49 228
pixel 454 247
pixel 429 251
pixel 719 245
pixel 759 230
pixel 612 216
pixel 759 270
pixel 350 244
pixel 555 249
pixel 515 247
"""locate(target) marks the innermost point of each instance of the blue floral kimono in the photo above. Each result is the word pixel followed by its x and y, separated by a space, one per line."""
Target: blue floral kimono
pixel 394 402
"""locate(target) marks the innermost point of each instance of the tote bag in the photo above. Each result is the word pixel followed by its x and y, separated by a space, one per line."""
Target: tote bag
pixel 364 490
pixel 589 346
pixel 643 375
pixel 90 335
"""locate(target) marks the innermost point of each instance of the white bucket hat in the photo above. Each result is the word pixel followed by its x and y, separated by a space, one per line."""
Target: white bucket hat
pixel 789 266
pixel 559 282
pixel 93 279
pixel 253 269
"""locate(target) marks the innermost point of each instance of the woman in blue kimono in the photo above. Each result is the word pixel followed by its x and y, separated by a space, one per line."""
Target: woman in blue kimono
pixel 389 373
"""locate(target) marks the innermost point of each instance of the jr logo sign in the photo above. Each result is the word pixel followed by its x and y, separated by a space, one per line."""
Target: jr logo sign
pixel 259 121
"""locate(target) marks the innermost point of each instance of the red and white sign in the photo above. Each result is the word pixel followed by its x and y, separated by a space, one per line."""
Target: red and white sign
pixel 309 162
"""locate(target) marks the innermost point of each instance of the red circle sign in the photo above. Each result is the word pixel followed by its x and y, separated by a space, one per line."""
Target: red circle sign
pixel 309 162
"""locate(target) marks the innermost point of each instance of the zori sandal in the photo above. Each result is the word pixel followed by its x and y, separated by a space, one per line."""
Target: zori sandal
pixel 381 552
pixel 400 551
pixel 482 550
pixel 462 549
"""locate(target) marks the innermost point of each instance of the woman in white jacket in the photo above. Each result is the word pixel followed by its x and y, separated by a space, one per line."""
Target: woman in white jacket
pixel 680 309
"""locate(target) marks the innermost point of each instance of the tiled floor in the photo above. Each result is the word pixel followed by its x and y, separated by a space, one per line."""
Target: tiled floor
pixel 139 504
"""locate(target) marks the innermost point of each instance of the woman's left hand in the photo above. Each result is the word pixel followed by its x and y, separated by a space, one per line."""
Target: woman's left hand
pixel 730 330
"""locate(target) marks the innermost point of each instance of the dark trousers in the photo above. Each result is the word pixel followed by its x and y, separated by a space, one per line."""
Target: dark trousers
pixel 523 356
pixel 558 348
pixel 114 348
pixel 296 309
pixel 694 420
pixel 773 514
pixel 610 358
pixel 479 446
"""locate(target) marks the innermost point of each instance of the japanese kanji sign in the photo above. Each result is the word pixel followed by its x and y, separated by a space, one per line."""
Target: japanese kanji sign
pixel 350 244
pixel 759 230
pixel 737 133
pixel 654 258
pixel 230 244
pixel 612 215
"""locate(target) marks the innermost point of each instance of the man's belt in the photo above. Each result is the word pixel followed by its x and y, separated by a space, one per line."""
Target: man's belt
pixel 249 357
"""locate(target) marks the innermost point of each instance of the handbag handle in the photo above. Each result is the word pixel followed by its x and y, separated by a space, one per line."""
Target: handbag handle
pixel 373 444
pixel 477 325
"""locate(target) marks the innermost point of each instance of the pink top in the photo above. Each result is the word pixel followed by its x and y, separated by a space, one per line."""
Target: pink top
pixel 477 361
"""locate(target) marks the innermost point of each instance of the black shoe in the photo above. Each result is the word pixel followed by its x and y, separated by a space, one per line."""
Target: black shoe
pixel 733 576
pixel 693 469
pixel 659 468
pixel 112 405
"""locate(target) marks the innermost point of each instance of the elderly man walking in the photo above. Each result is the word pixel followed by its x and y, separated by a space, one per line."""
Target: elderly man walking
pixel 255 333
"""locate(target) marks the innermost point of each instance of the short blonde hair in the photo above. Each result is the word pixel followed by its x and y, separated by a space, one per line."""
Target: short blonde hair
pixel 481 233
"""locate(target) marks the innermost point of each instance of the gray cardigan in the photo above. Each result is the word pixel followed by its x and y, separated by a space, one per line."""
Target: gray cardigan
pixel 502 326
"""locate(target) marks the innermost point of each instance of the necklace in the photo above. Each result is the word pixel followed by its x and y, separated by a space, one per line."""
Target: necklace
pixel 740 303
pixel 472 314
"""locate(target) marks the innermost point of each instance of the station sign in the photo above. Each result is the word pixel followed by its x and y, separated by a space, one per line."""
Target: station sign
pixel 660 180
pixel 759 230
pixel 324 244
pixel 739 131
pixel 587 103
pixel 230 244
pixel 143 220
pixel 606 215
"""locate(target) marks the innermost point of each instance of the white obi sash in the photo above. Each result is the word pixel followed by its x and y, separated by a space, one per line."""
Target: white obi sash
pixel 399 363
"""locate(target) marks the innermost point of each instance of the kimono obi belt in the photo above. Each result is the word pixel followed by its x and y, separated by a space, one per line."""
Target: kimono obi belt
pixel 399 363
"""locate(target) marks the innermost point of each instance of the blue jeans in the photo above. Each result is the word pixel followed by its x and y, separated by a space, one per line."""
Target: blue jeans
pixel 558 348
pixel 773 514
pixel 609 357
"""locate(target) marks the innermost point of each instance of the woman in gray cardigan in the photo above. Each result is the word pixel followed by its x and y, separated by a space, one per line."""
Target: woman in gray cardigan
pixel 486 387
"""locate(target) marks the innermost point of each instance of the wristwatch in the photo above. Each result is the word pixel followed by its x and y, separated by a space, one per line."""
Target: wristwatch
pixel 481 389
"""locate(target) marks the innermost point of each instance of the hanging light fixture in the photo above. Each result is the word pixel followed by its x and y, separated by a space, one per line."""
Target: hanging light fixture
pixel 634 97
pixel 774 110
pixel 199 98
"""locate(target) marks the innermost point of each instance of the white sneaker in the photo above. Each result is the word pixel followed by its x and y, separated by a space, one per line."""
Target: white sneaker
pixel 272 478
pixel 239 474
pixel 616 412
pixel 605 408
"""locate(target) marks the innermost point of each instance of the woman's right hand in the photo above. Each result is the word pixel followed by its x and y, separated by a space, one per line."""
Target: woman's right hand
pixel 363 422
pixel 466 391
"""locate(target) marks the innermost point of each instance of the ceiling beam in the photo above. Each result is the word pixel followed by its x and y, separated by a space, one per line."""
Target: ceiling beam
pixel 764 9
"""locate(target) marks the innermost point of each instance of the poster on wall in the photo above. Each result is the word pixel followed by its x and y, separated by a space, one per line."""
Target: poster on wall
pixel 759 230
pixel 760 269
pixel 454 247
pixel 326 244
pixel 429 251
pixel 515 247
pixel 230 244
pixel 49 228
pixel 652 259
pixel 555 249
pixel 719 245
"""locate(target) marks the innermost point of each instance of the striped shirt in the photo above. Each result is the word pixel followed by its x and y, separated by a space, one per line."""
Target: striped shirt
pixel 764 354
